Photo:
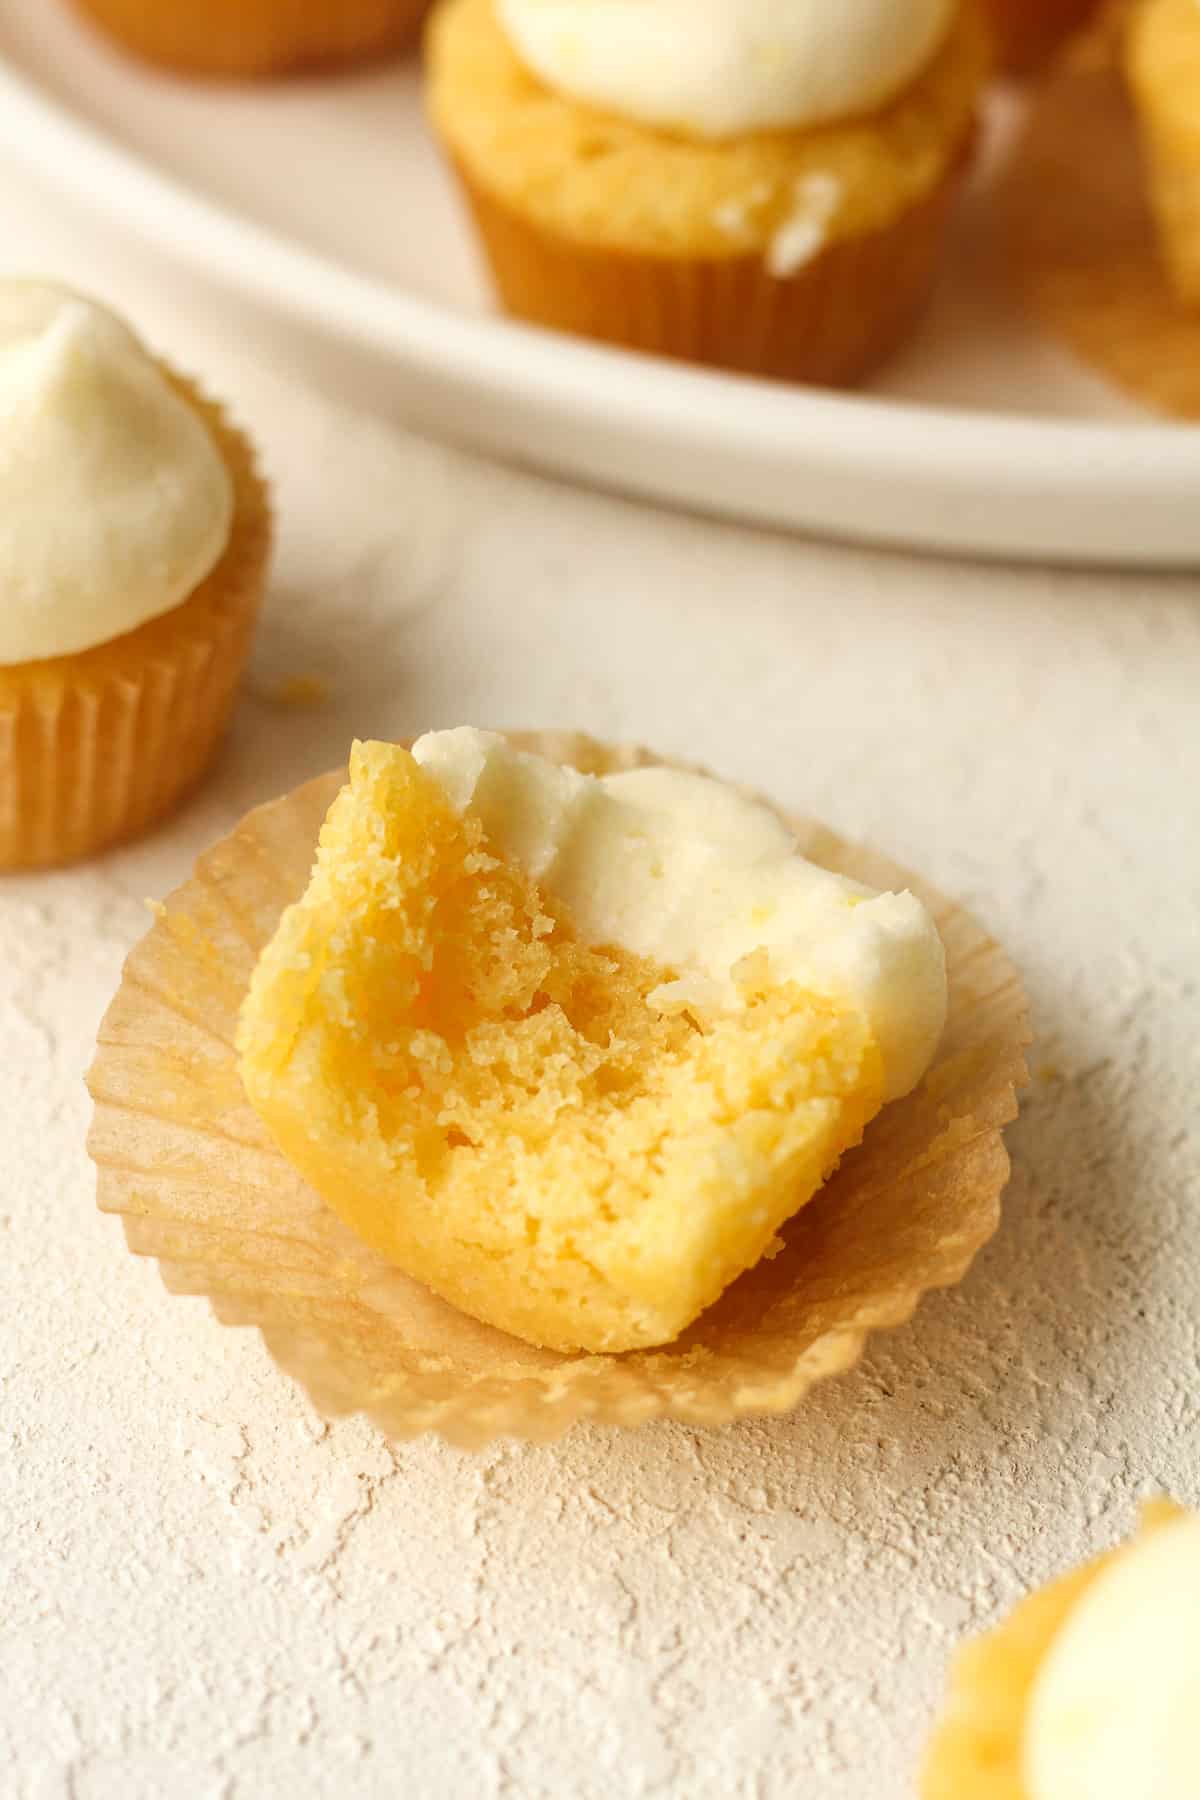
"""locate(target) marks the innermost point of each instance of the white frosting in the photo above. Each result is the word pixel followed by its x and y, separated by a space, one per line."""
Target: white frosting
pixel 115 502
pixel 718 68
pixel 690 872
pixel 1115 1711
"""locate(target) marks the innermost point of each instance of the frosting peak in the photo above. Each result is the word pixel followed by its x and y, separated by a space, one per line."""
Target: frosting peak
pixel 718 68
pixel 115 502
pixel 699 877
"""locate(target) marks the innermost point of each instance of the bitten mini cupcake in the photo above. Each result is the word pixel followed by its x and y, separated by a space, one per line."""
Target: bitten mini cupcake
pixel 1091 1689
pixel 1163 68
pixel 1028 31
pixel 563 1040
pixel 256 37
pixel 134 541
pixel 746 183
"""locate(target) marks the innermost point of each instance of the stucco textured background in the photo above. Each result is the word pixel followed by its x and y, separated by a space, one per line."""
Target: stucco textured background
pixel 208 1592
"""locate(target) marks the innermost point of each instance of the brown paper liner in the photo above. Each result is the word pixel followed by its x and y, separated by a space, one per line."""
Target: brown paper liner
pixel 975 1753
pixel 96 747
pixel 1081 240
pixel 833 321
pixel 245 38
pixel 1027 31
pixel 199 1184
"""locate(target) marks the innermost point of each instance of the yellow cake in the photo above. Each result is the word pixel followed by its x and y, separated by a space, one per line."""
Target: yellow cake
pixel 255 37
pixel 978 1750
pixel 114 690
pixel 803 253
pixel 570 1139
pixel 1163 67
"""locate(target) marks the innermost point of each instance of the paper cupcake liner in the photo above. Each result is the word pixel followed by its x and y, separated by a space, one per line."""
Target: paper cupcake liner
pixel 97 746
pixel 1028 31
pixel 185 1161
pixel 256 37
pixel 1081 240
pixel 832 321
pixel 975 1753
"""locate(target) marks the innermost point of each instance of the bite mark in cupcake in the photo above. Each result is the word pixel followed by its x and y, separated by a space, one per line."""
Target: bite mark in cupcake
pixel 569 1050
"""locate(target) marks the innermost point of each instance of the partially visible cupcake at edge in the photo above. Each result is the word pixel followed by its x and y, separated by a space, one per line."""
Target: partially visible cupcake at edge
pixel 1163 66
pixel 247 38
pixel 134 542
pixel 1090 1689
pixel 761 185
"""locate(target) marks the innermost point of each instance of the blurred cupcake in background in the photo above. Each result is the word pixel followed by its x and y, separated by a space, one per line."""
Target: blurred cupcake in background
pixel 1028 31
pixel 1163 67
pixel 134 541
pixel 256 37
pixel 760 185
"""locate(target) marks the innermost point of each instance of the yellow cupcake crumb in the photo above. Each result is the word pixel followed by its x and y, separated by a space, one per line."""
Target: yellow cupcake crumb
pixel 495 1106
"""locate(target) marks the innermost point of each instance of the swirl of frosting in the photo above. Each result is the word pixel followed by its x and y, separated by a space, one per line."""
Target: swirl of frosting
pixel 115 501
pixel 718 68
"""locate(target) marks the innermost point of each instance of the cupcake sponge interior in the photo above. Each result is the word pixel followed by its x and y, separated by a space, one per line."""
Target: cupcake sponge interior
pixel 496 1107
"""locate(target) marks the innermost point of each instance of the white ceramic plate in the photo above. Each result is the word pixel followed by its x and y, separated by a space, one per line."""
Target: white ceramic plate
pixel 326 200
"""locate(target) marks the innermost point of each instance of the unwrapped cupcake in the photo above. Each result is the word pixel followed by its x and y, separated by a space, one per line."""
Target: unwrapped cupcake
pixel 571 1049
pixel 134 540
pixel 563 1038
pixel 756 184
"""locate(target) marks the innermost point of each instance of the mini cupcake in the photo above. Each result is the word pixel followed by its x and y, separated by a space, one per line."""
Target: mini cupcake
pixel 197 1173
pixel 1091 1690
pixel 1163 68
pixel 571 1049
pixel 1028 31
pixel 135 543
pixel 256 37
pixel 752 185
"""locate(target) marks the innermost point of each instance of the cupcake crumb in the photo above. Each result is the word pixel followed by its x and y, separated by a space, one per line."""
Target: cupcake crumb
pixel 802 234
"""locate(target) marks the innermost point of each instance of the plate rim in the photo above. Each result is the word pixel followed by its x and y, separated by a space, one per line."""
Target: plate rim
pixel 507 362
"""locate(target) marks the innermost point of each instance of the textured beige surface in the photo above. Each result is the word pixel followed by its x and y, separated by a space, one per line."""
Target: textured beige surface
pixel 206 1592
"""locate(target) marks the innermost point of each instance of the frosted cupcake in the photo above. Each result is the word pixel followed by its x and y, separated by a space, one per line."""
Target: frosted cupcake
pixel 571 1050
pixel 1163 66
pixel 757 185
pixel 256 37
pixel 1091 1689
pixel 134 539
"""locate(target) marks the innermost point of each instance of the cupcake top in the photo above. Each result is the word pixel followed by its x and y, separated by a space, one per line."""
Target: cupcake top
pixel 1118 1697
pixel 688 872
pixel 720 68
pixel 115 502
